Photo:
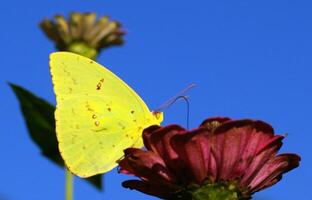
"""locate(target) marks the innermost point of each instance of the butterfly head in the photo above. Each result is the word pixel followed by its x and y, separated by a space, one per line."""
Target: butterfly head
pixel 158 116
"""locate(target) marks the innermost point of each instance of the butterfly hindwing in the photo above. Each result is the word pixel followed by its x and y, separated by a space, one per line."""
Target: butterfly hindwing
pixel 91 133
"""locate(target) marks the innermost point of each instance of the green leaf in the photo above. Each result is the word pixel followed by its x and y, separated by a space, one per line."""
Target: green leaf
pixel 39 117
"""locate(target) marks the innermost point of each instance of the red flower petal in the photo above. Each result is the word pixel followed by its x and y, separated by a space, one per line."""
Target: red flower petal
pixel 194 150
pixel 147 136
pixel 146 165
pixel 237 143
pixel 259 161
pixel 272 171
pixel 158 141
pixel 229 147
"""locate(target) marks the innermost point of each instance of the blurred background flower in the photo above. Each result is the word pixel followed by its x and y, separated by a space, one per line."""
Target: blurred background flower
pixel 222 159
pixel 82 33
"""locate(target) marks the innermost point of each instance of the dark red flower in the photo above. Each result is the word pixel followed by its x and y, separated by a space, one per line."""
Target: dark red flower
pixel 221 157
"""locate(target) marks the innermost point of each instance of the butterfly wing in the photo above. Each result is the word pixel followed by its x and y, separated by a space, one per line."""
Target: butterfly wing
pixel 97 114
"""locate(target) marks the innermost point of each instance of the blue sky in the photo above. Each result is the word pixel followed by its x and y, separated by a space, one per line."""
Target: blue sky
pixel 250 59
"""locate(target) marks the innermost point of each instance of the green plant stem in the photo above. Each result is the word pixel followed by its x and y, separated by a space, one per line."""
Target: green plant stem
pixel 83 49
pixel 68 185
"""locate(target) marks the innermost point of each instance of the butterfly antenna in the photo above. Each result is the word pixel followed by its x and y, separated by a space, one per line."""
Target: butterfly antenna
pixel 175 98
pixel 185 98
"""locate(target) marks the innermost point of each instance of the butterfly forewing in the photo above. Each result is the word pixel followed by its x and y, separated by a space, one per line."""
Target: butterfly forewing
pixel 97 115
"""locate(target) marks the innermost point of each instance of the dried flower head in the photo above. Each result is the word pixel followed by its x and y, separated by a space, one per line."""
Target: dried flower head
pixel 82 33
pixel 222 159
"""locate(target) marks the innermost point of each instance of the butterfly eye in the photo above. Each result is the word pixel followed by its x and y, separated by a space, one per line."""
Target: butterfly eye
pixel 159 116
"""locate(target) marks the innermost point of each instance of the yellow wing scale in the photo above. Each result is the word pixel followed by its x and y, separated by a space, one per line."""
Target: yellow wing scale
pixel 97 115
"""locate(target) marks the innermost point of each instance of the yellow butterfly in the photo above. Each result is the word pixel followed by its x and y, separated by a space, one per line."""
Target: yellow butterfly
pixel 97 114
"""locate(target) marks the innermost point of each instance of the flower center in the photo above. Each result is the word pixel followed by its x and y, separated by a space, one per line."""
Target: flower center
pixel 211 191
pixel 212 125
pixel 216 192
